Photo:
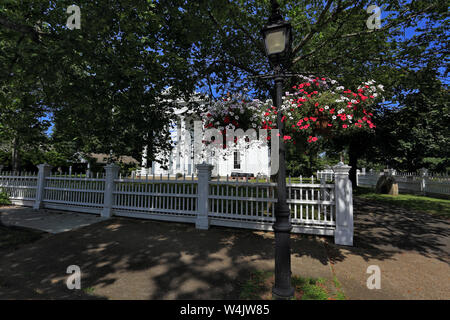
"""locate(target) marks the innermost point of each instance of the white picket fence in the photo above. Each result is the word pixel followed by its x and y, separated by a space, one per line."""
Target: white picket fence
pixel 20 188
pixel 421 183
pixel 316 207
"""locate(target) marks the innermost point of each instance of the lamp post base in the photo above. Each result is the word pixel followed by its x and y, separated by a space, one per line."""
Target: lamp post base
pixel 282 288
pixel 286 294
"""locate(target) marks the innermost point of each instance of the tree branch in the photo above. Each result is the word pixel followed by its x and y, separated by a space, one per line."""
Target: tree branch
pixel 319 24
pixel 23 29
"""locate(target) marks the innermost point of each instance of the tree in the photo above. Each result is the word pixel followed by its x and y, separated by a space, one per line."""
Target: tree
pixel 415 133
pixel 103 83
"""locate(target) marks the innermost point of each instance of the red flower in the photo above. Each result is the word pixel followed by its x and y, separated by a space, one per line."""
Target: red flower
pixel 344 126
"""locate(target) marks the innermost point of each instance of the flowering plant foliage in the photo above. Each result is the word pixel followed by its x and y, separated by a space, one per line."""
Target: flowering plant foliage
pixel 315 108
pixel 233 112
pixel 318 107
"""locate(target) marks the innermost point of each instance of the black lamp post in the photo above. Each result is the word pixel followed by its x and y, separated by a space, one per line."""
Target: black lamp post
pixel 277 41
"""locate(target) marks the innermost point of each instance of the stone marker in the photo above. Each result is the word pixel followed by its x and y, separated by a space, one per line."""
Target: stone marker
pixel 387 185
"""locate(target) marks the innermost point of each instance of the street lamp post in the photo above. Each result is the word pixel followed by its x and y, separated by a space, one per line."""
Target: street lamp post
pixel 277 42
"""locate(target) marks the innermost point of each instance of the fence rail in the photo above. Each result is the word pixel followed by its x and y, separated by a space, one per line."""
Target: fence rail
pixel 200 200
pixel 419 183
pixel 21 189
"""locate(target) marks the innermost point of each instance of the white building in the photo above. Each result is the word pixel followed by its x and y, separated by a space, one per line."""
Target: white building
pixel 247 158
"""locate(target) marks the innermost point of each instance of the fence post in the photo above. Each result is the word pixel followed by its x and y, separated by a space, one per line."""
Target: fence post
pixel 112 172
pixel 344 205
pixel 423 175
pixel 204 176
pixel 44 171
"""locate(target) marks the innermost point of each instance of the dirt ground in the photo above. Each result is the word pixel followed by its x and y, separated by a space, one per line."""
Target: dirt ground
pixel 142 259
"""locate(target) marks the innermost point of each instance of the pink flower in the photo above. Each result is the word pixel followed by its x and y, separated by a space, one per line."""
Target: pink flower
pixel 344 126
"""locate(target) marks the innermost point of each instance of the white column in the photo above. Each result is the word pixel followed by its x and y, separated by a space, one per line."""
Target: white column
pixel 343 205
pixel 204 176
pixel 112 172
pixel 44 171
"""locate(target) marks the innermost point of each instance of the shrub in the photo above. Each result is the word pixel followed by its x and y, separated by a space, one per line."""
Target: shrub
pixel 4 199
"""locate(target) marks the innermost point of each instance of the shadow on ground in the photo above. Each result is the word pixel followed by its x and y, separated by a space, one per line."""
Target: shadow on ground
pixel 382 230
pixel 142 259
pixel 135 259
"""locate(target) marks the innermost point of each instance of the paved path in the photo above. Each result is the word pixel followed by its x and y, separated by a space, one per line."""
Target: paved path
pixel 52 221
pixel 411 249
pixel 142 259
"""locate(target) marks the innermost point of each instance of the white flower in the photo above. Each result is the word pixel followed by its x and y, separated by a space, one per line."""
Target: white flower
pixel 326 107
pixel 236 117
pixel 349 116
pixel 340 111
pixel 334 117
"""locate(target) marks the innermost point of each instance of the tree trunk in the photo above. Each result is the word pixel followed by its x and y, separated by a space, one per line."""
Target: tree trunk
pixel 353 162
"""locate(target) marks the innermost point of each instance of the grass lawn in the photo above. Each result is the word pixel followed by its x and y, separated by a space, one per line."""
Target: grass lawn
pixel 259 287
pixel 435 206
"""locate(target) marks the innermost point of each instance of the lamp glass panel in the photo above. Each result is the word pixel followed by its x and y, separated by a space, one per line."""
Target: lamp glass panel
pixel 275 42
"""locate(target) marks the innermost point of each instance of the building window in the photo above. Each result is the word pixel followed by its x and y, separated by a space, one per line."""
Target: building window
pixel 237 160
